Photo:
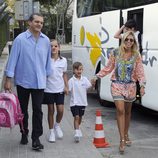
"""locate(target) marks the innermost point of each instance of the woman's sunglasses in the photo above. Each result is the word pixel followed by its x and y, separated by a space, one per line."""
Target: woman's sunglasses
pixel 129 39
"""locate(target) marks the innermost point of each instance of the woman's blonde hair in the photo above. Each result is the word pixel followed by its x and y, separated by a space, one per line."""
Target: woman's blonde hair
pixel 134 48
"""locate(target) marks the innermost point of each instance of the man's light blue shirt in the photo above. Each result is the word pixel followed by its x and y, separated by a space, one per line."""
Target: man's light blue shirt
pixel 30 60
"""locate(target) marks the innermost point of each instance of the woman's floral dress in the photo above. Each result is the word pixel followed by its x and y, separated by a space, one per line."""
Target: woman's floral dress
pixel 125 74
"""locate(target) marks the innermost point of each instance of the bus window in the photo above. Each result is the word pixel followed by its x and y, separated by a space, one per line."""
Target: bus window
pixel 84 8
pixel 93 7
pixel 112 5
pixel 97 7
pixel 135 3
pixel 88 7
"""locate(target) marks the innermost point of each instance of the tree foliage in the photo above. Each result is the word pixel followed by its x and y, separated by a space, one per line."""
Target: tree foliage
pixel 10 4
pixel 50 2
pixel 50 9
pixel 53 8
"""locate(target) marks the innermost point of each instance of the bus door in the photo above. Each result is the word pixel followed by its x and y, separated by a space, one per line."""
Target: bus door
pixel 110 23
pixel 137 15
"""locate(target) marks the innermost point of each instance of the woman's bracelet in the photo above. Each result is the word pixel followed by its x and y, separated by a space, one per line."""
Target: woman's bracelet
pixel 95 77
pixel 142 86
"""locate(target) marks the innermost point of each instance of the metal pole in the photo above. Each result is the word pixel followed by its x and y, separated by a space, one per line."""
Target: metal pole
pixel 60 34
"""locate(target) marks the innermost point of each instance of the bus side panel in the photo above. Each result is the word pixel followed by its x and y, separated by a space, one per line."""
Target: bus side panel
pixel 150 55
pixel 150 27
pixel 105 89
pixel 150 61
pixel 82 55
pixel 87 31
pixel 110 24
pixel 86 42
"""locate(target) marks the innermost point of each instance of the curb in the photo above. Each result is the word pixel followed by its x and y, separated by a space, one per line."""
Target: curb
pixel 3 62
pixel 65 47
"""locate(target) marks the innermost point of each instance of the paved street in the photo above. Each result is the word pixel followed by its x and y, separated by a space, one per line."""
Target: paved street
pixel 143 132
pixel 143 129
pixel 65 148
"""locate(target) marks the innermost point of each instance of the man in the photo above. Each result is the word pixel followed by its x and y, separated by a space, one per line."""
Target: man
pixel 29 64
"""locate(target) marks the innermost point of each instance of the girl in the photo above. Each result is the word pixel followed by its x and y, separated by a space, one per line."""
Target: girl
pixel 57 86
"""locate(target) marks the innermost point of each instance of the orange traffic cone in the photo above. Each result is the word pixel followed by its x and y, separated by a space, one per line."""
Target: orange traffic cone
pixel 99 138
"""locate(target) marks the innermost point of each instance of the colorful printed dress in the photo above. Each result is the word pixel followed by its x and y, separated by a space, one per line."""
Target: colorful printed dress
pixel 124 76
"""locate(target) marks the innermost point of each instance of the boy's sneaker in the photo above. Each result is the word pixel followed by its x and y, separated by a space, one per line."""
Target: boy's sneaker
pixel 36 145
pixel 77 138
pixel 58 132
pixel 24 139
pixel 51 137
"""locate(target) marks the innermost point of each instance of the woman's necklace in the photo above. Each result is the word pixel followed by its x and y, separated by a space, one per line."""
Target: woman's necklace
pixel 127 56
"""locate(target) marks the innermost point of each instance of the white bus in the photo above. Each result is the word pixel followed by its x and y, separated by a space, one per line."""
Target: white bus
pixel 94 25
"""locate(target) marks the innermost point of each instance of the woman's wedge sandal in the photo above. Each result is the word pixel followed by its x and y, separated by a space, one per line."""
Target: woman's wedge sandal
pixel 128 142
pixel 122 146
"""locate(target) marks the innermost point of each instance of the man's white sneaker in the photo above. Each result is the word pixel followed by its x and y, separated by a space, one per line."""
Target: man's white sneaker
pixel 51 137
pixel 77 138
pixel 58 132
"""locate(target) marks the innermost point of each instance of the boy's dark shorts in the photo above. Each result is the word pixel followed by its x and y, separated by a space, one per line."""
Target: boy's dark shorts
pixel 51 98
pixel 78 110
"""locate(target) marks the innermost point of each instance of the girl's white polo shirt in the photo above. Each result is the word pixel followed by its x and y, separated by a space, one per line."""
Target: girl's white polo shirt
pixel 78 89
pixel 55 82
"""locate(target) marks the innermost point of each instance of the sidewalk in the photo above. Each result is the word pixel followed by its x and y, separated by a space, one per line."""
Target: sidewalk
pixel 65 148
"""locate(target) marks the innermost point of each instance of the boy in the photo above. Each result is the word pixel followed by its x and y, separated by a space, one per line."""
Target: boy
pixel 78 86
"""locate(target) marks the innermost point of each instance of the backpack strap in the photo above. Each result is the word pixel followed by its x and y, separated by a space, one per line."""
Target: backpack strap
pixel 20 115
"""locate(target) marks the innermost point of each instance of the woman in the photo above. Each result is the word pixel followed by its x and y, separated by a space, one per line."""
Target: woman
pixel 56 87
pixel 127 68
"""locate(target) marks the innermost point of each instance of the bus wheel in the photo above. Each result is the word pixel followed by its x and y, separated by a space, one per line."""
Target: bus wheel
pixel 98 87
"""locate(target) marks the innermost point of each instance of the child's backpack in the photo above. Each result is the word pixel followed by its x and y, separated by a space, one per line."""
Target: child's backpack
pixel 10 111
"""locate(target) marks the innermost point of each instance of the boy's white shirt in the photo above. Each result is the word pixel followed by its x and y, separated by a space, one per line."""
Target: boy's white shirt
pixel 78 90
pixel 55 82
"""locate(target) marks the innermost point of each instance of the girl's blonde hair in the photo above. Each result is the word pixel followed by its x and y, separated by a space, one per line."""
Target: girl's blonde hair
pixel 134 48
pixel 56 41
pixel 52 40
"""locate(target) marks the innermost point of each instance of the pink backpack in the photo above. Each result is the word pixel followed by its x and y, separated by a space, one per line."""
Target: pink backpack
pixel 10 111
